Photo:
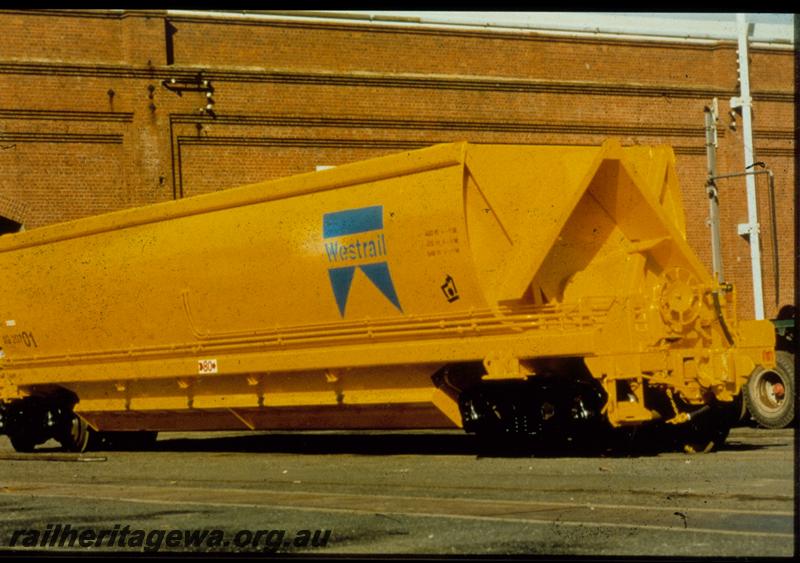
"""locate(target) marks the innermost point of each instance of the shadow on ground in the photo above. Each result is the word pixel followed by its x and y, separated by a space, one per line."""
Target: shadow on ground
pixel 398 443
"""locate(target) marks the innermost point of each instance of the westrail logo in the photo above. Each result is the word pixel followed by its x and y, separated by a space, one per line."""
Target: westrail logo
pixel 354 239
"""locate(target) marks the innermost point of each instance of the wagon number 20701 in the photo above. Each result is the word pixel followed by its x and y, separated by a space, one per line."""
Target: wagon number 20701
pixel 25 338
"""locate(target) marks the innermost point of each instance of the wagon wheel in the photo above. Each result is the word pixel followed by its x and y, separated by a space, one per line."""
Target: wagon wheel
pixel 22 443
pixel 706 432
pixel 703 439
pixel 78 435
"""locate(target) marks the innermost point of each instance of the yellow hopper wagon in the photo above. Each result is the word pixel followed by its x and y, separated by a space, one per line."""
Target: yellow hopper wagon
pixel 509 290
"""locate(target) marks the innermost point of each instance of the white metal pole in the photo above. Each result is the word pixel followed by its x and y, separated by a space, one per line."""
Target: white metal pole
pixel 751 229
pixel 711 116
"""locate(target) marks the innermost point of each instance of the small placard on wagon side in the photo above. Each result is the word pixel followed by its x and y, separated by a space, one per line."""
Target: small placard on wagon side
pixel 206 366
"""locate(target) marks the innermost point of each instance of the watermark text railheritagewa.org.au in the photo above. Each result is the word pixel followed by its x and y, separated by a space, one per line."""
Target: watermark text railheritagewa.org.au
pixel 123 537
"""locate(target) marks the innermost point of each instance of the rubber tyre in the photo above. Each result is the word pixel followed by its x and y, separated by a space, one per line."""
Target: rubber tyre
pixel 763 406
pixel 740 409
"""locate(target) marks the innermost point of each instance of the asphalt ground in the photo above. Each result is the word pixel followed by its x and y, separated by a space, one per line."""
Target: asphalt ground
pixel 399 493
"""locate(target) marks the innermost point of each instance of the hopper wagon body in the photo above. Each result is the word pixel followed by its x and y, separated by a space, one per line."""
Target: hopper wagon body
pixel 503 289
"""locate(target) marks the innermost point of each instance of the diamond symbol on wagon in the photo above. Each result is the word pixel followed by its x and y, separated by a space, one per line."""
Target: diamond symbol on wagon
pixel 354 239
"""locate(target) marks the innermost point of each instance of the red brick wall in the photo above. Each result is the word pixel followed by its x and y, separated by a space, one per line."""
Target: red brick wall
pixel 86 125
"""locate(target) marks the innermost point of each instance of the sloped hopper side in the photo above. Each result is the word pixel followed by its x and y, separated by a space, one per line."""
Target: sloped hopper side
pixel 551 225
